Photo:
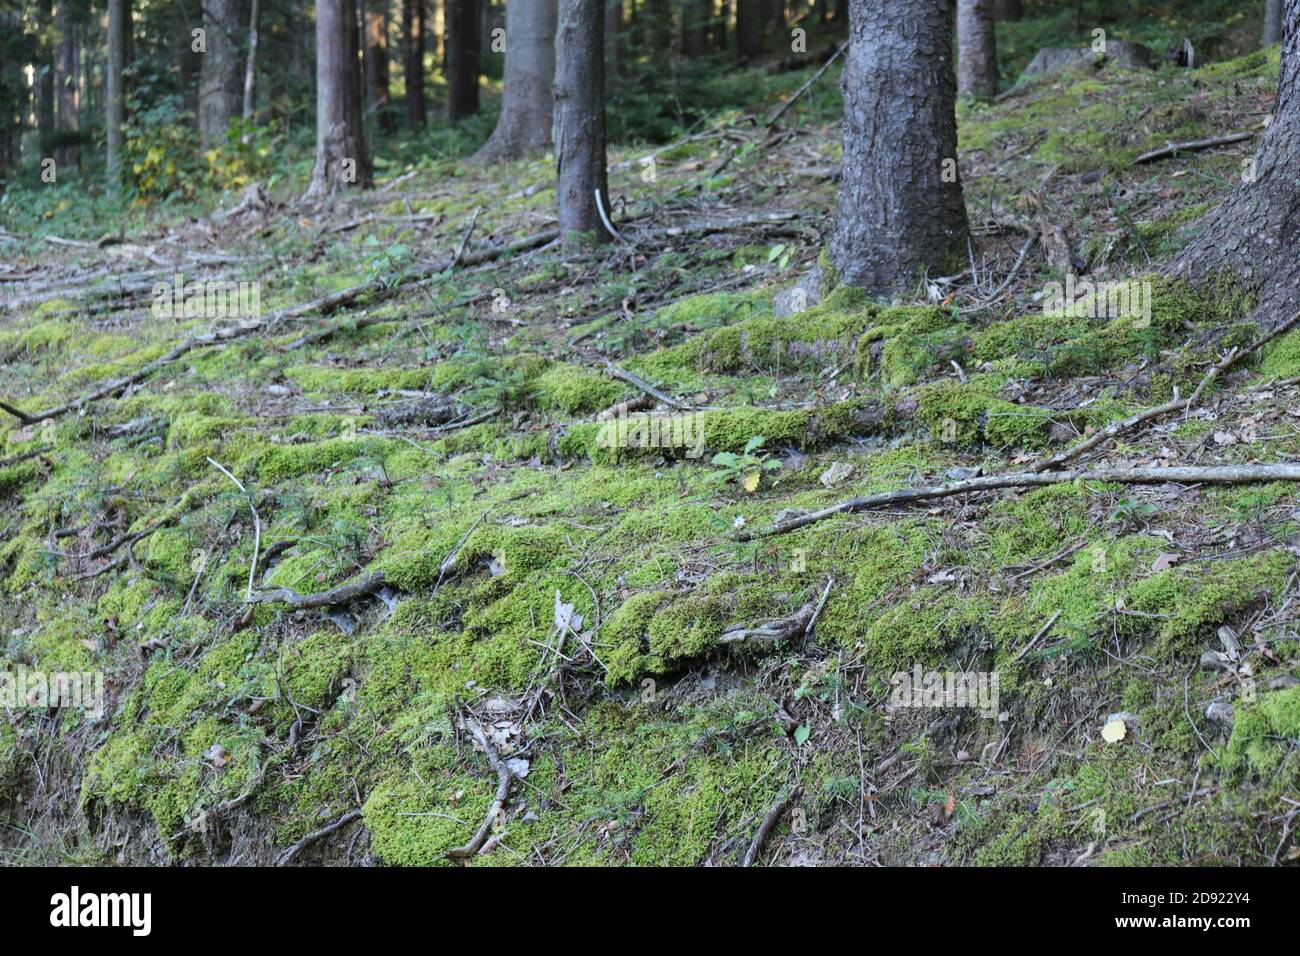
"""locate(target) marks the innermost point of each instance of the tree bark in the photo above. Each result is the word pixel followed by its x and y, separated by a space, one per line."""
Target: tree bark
pixel 901 207
pixel 580 123
pixel 977 52
pixel 250 65
pixel 749 29
pixel 219 87
pixel 1272 22
pixel 1008 10
pixel 413 23
pixel 696 15
pixel 376 61
pixel 528 104
pixel 341 158
pixel 119 35
pixel 68 89
pixel 461 57
pixel 1255 232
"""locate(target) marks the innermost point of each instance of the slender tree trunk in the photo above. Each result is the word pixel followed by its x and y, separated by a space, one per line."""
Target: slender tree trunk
pixel 376 61
pixel 776 17
pixel 1255 232
pixel 68 88
pixel 695 27
pixel 615 48
pixel 1272 22
pixel 341 158
pixel 1008 10
pixel 749 29
pixel 45 125
pixel 529 99
pixel 119 35
pixel 413 62
pixel 977 52
pixel 901 208
pixel 461 57
pixel 580 123
pixel 250 65
pixel 219 93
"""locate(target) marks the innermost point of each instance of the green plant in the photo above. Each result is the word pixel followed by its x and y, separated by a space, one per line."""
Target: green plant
pixel 748 467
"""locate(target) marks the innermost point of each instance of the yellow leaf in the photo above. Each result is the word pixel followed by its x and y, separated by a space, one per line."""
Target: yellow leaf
pixel 751 480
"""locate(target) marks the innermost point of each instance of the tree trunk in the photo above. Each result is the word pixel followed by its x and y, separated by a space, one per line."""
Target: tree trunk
pixel 413 62
pixel 1272 22
pixel 580 123
pixel 901 208
pixel 1008 10
pixel 119 35
pixel 68 89
pixel 695 27
pixel 749 29
pixel 250 64
pixel 461 57
pixel 615 47
pixel 977 51
pixel 341 158
pixel 45 124
pixel 219 92
pixel 376 61
pixel 529 99
pixel 1255 232
pixel 776 17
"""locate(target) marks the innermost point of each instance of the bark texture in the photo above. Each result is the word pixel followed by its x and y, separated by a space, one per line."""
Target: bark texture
pixel 341 158
pixel 749 28
pixel 1255 232
pixel 119 35
pixel 901 208
pixel 461 57
pixel 67 66
pixel 413 62
pixel 977 51
pixel 220 96
pixel 528 103
pixel 580 122
pixel 376 61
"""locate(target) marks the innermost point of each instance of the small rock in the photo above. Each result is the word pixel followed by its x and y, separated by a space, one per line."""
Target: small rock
pixel 835 474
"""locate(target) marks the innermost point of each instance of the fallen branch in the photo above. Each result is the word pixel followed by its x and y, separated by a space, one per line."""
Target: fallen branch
pixel 349 591
pixel 315 835
pixel 808 85
pixel 1175 405
pixel 257 526
pixel 636 381
pixel 1011 276
pixel 1191 146
pixel 765 828
pixel 504 779
pixel 780 629
pixel 1210 475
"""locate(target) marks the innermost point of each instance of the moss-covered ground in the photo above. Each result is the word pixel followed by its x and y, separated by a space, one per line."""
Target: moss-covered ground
pixel 641 736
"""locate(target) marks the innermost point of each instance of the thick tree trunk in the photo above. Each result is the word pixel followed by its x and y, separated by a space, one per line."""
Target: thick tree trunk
pixel 376 61
pixel 461 57
pixel 749 29
pixel 977 51
pixel 776 17
pixel 119 35
pixel 250 64
pixel 1272 22
pixel 901 209
pixel 413 62
pixel 68 89
pixel 341 158
pixel 1008 10
pixel 580 122
pixel 1255 232
pixel 529 100
pixel 219 87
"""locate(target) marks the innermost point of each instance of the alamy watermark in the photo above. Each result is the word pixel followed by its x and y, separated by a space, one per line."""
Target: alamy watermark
pixel 654 431
pixel 1082 299
pixel 206 299
pixel 922 688
pixel 39 690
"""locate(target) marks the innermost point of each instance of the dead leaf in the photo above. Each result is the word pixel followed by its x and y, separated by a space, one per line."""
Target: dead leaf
pixel 217 755
pixel 1166 559
pixel 835 474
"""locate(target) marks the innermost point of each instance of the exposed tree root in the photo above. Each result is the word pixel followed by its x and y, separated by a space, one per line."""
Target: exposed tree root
pixel 765 829
pixel 288 855
pixel 349 591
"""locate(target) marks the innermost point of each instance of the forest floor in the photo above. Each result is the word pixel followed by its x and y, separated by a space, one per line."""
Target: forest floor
pixel 581 632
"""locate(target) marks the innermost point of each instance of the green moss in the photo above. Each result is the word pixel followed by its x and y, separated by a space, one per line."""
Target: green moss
pixel 576 391
pixel 1264 734
pixel 1282 357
